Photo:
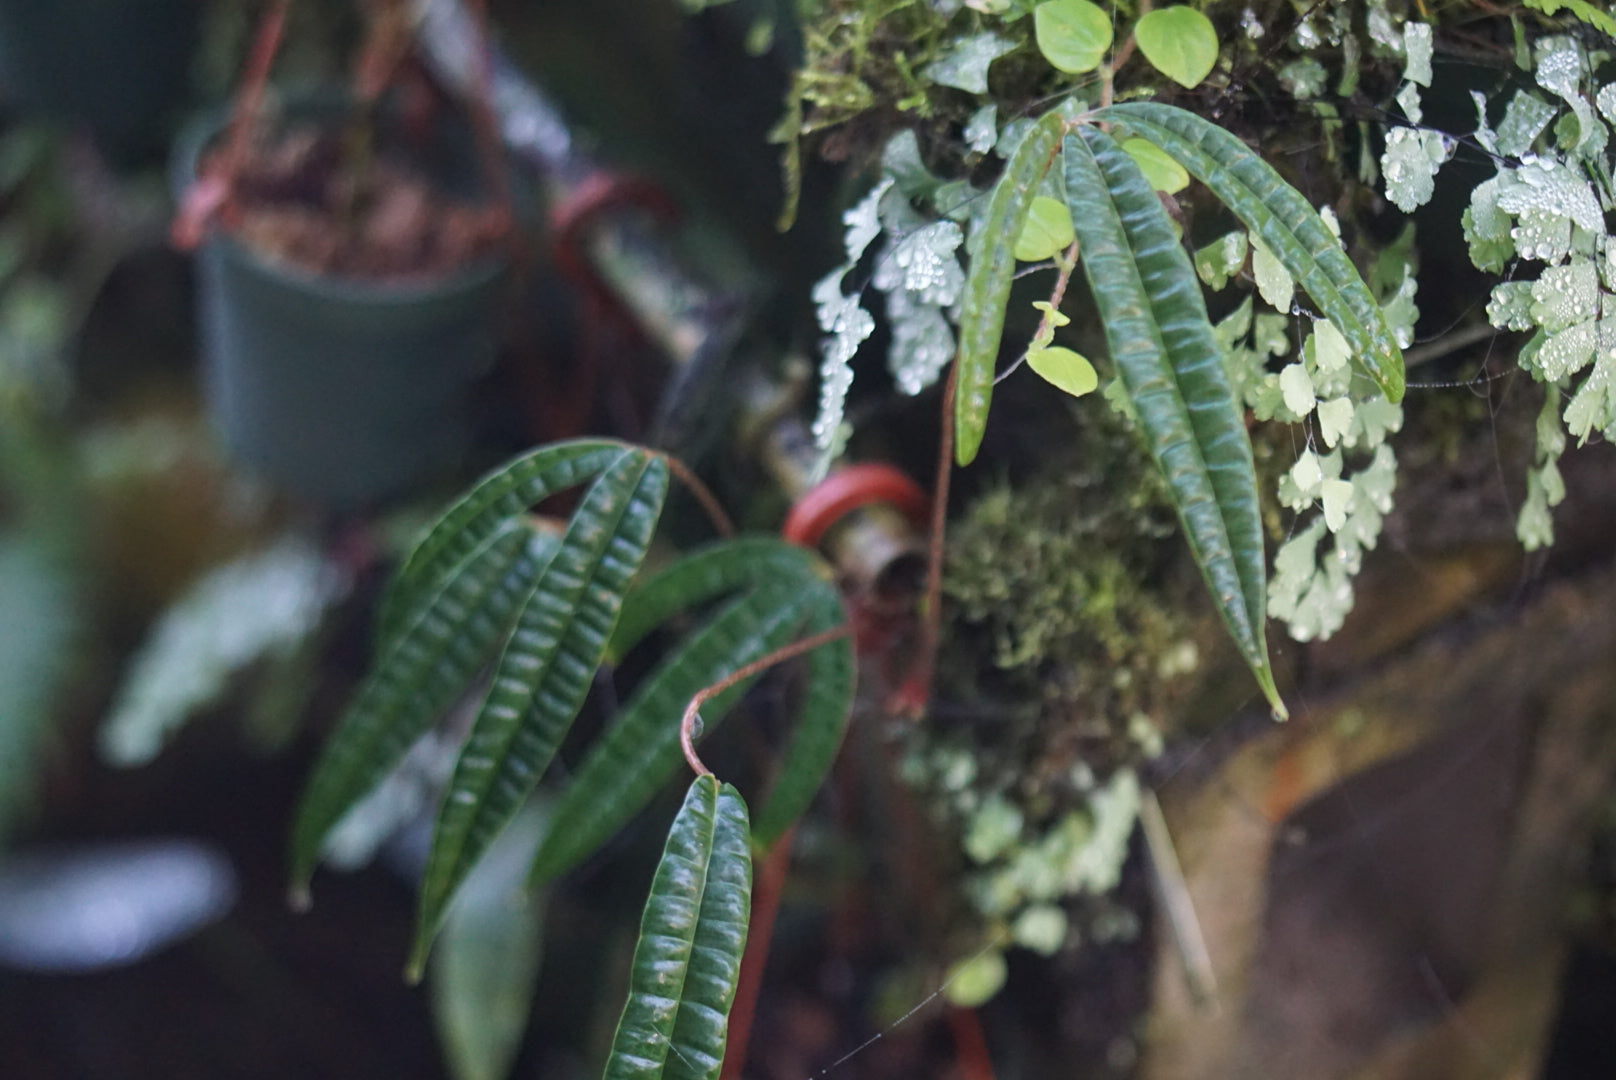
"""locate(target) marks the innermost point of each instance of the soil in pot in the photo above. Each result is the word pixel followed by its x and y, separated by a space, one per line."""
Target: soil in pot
pixel 346 304
pixel 304 201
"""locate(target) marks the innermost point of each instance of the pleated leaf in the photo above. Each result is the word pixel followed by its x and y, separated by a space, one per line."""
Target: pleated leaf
pixel 1164 348
pixel 640 752
pixel 1282 217
pixel 706 574
pixel 546 670
pixel 827 705
pixel 438 650
pixel 692 936
pixel 987 284
pixel 510 490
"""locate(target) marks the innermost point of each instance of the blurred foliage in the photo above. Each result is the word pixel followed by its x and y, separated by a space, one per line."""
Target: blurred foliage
pixel 41 612
pixel 260 605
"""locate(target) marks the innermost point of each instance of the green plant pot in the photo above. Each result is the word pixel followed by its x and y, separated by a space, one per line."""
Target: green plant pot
pixel 339 389
pixel 120 67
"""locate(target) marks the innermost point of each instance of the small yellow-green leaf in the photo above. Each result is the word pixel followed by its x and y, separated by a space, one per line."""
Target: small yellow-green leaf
pixel 975 981
pixel 1051 312
pixel 1041 928
pixel 1065 369
pixel 1335 419
pixel 1048 230
pixel 1307 474
pixel 1179 42
pixel 1274 282
pixel 1336 495
pixel 1297 386
pixel 1073 35
pixel 1164 173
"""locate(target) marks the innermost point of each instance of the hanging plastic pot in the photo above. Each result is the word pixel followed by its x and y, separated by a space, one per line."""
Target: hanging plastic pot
pixel 119 67
pixel 339 388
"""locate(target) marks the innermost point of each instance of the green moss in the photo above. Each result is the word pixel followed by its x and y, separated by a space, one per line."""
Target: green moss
pixel 1068 582
pixel 1076 629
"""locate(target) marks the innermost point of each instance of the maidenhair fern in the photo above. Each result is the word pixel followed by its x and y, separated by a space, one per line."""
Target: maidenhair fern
pixel 1187 381
pixel 1547 204
pixel 1414 154
pixel 916 268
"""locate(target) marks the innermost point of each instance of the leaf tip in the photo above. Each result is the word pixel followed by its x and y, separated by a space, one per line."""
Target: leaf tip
pixel 1265 679
pixel 1392 384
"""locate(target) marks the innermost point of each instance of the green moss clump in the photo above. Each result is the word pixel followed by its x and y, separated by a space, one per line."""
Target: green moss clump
pixel 1075 633
pixel 1072 586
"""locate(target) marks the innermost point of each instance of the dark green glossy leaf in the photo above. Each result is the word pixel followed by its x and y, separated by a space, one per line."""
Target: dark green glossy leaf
pixel 692 937
pixel 504 493
pixel 706 574
pixel 1168 356
pixel 987 284
pixel 640 752
pixel 827 705
pixel 1282 217
pixel 546 670
pixel 439 648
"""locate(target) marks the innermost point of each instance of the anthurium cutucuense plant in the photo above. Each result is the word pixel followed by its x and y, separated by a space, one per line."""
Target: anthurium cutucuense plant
pixel 489 588
pixel 1102 209
pixel 489 585
pixel 1162 343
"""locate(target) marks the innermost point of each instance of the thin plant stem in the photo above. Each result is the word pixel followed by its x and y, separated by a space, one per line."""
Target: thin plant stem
pixel 916 693
pixel 703 494
pixel 1046 325
pixel 970 1044
pixel 250 97
pixel 687 726
pixel 1124 53
pixel 1174 893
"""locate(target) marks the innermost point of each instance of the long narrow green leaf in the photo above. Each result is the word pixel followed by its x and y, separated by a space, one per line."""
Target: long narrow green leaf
pixel 706 574
pixel 437 652
pixel 505 492
pixel 1278 213
pixel 544 674
pixel 640 752
pixel 1163 346
pixel 827 705
pixel 692 937
pixel 987 284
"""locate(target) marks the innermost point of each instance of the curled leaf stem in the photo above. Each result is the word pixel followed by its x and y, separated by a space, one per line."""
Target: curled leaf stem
pixel 687 725
pixel 1046 326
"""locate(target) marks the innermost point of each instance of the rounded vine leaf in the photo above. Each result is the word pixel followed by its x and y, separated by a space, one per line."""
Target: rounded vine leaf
pixel 1180 43
pixel 1073 35
pixel 1064 369
pixel 1047 231
pixel 1164 173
